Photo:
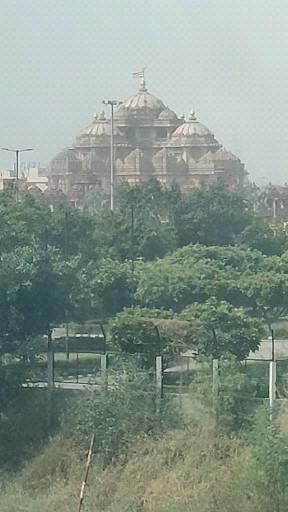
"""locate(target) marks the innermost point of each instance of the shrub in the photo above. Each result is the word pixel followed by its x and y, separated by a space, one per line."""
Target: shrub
pixel 119 416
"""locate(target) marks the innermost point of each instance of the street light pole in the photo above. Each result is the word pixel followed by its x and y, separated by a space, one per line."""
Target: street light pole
pixel 17 174
pixel 112 159
pixel 17 151
pixel 112 104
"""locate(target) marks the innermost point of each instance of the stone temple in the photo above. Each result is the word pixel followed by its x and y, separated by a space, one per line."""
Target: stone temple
pixel 150 140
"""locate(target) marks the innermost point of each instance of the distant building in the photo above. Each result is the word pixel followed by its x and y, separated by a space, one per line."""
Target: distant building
pixel 7 180
pixel 150 140
pixel 31 179
pixel 272 201
pixel 36 178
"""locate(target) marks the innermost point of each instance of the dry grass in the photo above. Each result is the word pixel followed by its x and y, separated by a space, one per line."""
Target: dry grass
pixel 184 471
pixel 49 483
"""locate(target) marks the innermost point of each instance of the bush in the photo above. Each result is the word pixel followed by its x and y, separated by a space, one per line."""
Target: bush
pixel 233 405
pixel 24 425
pixel 119 416
pixel 269 446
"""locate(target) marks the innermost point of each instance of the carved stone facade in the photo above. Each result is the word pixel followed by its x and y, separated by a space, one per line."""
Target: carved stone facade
pixel 150 140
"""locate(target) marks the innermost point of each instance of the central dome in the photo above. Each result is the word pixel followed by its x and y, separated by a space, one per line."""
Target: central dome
pixel 141 103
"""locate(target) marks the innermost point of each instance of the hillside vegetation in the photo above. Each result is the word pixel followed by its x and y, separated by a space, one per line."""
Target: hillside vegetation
pixel 168 272
pixel 192 470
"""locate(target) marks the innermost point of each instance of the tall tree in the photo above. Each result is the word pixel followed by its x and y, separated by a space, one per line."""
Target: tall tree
pixel 106 287
pixel 36 291
pixel 210 216
pixel 262 236
pixel 139 226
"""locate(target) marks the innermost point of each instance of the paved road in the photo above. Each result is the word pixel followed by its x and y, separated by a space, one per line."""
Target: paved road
pixel 63 385
pixel 264 353
pixel 265 350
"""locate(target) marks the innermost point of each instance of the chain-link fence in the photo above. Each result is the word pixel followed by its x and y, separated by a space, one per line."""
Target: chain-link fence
pixel 257 372
pixel 79 367
pixel 282 379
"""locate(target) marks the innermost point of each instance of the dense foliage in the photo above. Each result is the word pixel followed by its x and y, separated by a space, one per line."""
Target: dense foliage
pixel 170 272
pixel 204 257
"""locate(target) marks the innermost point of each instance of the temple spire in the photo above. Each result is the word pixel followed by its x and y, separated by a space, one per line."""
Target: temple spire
pixel 101 116
pixel 143 87
pixel 193 116
pixel 141 75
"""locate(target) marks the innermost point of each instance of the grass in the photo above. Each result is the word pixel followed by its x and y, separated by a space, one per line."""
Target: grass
pixel 186 471
pixel 49 483
pixel 196 469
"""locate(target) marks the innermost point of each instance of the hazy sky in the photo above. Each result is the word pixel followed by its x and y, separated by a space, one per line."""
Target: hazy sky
pixel 225 59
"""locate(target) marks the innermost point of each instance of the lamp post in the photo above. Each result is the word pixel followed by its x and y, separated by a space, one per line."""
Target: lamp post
pixel 112 104
pixel 16 152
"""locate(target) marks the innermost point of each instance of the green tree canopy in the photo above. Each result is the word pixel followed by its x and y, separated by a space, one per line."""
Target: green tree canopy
pixel 261 236
pixel 219 330
pixel 148 332
pixel 37 291
pixel 210 216
pixel 106 287
pixel 139 226
pixel 266 293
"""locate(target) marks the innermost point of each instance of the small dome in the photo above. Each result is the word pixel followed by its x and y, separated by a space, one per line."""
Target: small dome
pixel 223 154
pixel 220 155
pixel 64 161
pixel 100 127
pixel 191 128
pixel 168 115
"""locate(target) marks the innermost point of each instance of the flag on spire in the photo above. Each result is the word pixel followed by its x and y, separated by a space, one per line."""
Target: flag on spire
pixel 139 74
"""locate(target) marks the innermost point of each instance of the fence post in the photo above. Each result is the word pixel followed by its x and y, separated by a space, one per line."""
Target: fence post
pixel 67 339
pixel 159 382
pixel 272 385
pixel 77 367
pixel 50 361
pixel 104 370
